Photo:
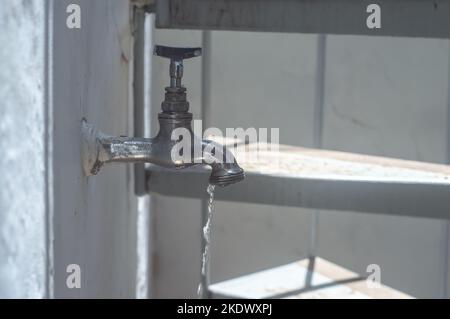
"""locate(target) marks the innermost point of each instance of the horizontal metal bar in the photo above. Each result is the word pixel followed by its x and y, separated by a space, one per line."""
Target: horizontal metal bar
pixel 406 18
pixel 428 200
pixel 321 179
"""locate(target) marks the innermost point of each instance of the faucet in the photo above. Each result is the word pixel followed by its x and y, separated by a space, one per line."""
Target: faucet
pixel 99 149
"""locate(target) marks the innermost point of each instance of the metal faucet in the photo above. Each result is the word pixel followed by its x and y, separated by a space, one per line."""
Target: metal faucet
pixel 99 148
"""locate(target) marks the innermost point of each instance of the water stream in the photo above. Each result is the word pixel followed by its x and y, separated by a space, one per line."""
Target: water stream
pixel 202 287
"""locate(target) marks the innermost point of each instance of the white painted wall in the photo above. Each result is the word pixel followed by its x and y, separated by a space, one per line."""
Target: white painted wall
pixel 382 96
pixel 95 217
pixel 23 171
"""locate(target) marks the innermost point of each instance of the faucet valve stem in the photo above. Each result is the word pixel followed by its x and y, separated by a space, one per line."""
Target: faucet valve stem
pixel 176 73
pixel 175 99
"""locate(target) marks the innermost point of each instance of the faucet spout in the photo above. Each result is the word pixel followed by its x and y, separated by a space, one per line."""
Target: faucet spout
pixel 99 149
pixel 225 169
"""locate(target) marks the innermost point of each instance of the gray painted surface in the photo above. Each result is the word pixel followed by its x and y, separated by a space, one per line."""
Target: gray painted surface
pixel 382 96
pixel 411 18
pixel 387 97
pixel 95 217
pixel 23 182
pixel 261 80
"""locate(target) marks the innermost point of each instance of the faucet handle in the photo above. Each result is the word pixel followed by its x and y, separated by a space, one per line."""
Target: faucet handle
pixel 177 54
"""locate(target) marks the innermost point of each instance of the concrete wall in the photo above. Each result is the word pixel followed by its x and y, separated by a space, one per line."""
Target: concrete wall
pixel 388 97
pixel 23 182
pixel 382 96
pixel 51 215
pixel 94 218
